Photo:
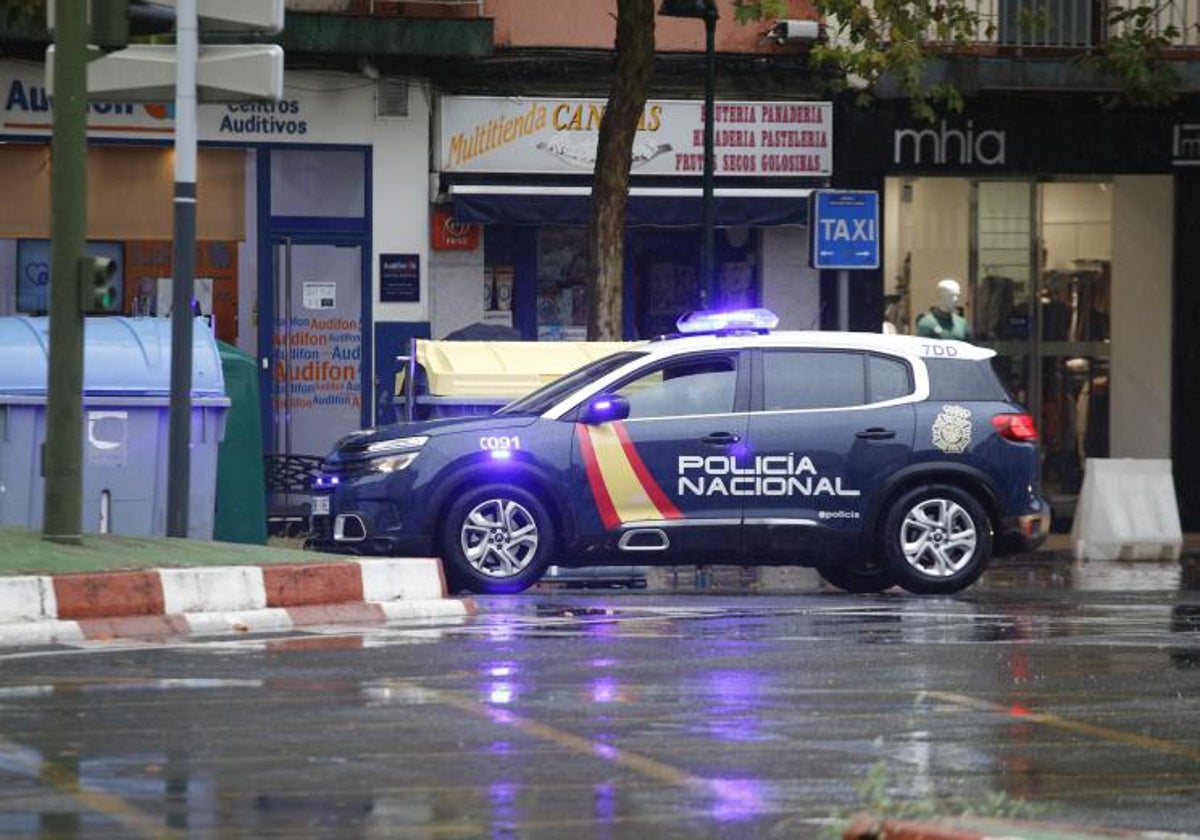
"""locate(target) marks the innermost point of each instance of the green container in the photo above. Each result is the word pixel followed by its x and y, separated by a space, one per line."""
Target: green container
pixel 241 492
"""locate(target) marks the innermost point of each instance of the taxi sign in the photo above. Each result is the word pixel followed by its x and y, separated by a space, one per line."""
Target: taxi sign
pixel 845 229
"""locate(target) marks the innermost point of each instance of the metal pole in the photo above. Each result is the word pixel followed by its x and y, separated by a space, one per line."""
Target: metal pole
pixel 183 286
pixel 708 280
pixel 843 290
pixel 286 309
pixel 62 453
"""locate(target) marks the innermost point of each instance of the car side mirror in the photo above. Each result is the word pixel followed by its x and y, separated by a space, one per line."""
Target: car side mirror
pixel 604 408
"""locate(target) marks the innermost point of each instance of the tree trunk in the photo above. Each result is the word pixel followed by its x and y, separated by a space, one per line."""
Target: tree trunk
pixel 614 156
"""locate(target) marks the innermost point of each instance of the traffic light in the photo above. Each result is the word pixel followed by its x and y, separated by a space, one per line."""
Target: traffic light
pixel 108 26
pixel 111 22
pixel 97 284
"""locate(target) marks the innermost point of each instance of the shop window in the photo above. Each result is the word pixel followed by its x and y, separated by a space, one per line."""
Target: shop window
pixel 1041 298
pixel 33 272
pixel 666 274
pixel 1035 265
pixel 563 259
pixel 149 266
pixel 129 192
pixel 318 183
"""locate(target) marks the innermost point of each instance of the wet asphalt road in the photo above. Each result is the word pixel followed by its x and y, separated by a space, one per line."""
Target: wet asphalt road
pixel 755 707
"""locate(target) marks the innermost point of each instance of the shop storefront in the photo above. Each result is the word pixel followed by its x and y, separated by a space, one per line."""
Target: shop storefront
pixel 1059 226
pixel 299 201
pixel 519 172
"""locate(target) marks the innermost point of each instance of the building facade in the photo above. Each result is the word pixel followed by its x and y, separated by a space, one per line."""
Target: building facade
pixel 298 210
pixel 428 171
pixel 1061 220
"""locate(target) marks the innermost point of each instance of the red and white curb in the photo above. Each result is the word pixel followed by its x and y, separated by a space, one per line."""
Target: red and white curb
pixel 868 827
pixel 41 609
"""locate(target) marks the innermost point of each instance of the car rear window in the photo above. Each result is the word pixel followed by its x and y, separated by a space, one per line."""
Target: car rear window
pixel 887 379
pixel 958 379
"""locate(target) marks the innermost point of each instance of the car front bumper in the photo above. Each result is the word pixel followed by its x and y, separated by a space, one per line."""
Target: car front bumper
pixel 369 530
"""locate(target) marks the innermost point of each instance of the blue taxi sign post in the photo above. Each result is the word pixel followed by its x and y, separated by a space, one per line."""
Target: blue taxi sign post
pixel 844 227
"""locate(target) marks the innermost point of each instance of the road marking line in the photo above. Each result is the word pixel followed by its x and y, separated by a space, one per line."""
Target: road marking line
pixel 1146 742
pixel 129 816
pixel 648 767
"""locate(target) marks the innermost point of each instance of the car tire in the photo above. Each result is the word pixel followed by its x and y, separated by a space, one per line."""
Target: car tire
pixel 856 582
pixel 937 540
pixel 497 538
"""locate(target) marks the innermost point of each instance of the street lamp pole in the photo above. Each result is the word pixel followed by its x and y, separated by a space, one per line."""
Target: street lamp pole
pixel 707 269
pixel 707 11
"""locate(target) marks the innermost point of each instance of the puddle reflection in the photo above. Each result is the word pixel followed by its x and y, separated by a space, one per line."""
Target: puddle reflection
pixel 1045 571
pixel 738 799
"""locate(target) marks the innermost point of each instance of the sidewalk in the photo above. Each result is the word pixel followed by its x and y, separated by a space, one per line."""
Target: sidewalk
pixel 1061 546
pixel 155 587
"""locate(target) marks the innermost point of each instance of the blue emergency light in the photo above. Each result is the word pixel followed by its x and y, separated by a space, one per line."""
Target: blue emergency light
pixel 731 320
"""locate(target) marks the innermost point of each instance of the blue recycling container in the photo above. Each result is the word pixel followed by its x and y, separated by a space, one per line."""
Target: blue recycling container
pixel 126 408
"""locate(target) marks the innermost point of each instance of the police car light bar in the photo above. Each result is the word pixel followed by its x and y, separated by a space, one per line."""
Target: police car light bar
pixel 713 320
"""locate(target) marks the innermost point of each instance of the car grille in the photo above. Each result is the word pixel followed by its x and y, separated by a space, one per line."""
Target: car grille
pixel 344 470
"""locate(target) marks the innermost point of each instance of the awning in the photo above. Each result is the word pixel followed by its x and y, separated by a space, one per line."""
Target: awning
pixel 648 206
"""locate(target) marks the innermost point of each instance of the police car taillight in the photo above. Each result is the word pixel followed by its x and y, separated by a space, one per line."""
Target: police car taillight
pixel 733 320
pixel 1018 427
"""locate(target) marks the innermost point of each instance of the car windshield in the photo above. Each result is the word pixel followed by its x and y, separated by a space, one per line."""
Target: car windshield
pixel 552 393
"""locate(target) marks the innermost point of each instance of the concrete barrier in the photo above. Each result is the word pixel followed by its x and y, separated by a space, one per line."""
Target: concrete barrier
pixel 1127 511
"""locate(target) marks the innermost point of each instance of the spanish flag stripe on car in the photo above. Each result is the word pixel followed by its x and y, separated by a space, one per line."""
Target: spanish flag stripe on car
pixel 665 506
pixel 623 488
pixel 608 515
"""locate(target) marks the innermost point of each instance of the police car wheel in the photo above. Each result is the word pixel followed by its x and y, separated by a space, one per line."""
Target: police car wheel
pixel 937 540
pixel 497 538
pixel 856 582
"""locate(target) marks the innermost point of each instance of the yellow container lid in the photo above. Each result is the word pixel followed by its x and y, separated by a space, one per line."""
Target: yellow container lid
pixel 504 368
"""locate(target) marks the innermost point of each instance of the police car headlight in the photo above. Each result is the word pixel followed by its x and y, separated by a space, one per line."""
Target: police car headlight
pixel 393 463
pixel 396 445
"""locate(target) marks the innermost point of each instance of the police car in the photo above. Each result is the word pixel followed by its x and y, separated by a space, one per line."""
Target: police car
pixel 880 460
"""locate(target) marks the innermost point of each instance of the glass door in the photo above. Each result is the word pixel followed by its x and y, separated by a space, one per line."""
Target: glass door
pixel 317 376
pixel 1039 296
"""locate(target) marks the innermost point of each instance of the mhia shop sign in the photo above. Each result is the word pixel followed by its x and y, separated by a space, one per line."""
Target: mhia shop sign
pixel 845 229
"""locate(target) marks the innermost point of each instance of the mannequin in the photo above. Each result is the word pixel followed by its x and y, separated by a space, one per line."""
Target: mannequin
pixel 942 320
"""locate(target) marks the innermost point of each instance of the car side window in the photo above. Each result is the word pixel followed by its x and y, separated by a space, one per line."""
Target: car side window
pixel 806 379
pixel 887 379
pixel 681 387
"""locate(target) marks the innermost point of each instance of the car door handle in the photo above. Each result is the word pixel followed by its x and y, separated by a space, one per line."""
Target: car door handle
pixel 720 439
pixel 876 433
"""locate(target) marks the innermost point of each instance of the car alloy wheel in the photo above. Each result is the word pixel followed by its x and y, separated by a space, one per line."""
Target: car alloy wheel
pixel 938 537
pixel 497 538
pixel 938 540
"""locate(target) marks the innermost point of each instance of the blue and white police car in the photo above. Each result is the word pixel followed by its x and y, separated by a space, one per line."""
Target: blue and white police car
pixel 880 460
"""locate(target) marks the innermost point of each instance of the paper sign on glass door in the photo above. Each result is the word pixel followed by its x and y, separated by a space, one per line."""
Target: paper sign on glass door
pixel 320 295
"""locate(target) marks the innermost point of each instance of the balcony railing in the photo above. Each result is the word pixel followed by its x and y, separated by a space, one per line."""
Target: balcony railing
pixel 1080 24
pixel 391 8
